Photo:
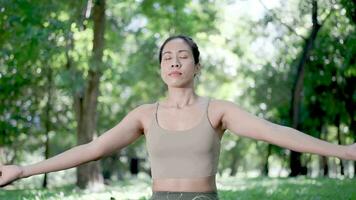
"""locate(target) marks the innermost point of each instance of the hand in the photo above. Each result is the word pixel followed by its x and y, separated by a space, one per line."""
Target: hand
pixel 9 173
pixel 351 152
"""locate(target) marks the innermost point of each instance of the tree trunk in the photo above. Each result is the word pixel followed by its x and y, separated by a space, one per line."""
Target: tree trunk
pixel 342 171
pixel 233 166
pixel 323 159
pixel 266 165
pixel 234 160
pixel 353 130
pixel 354 161
pixel 350 104
pixel 295 161
pixel 89 175
pixel 350 7
pixel 325 166
pixel 47 121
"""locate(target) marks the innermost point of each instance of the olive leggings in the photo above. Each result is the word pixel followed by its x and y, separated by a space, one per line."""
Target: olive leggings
pixel 184 196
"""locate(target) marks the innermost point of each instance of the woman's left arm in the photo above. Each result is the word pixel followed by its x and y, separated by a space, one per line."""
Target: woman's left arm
pixel 243 123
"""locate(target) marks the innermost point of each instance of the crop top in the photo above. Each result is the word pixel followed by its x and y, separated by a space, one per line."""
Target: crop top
pixel 189 153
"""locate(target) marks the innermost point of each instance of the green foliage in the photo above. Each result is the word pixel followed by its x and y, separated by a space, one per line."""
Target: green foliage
pixel 180 16
pixel 228 188
pixel 328 95
pixel 39 36
pixel 28 36
pixel 327 92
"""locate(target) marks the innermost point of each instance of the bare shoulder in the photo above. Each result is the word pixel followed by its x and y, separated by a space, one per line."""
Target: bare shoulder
pixel 223 106
pixel 144 110
pixel 216 111
pixel 219 108
pixel 144 114
pixel 220 105
pixel 222 102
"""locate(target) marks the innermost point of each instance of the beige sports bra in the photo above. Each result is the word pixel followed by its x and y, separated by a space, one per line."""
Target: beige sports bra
pixel 183 154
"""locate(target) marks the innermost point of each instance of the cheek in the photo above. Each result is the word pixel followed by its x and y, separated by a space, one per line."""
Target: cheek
pixel 163 72
pixel 164 66
pixel 163 69
pixel 190 66
pixel 190 63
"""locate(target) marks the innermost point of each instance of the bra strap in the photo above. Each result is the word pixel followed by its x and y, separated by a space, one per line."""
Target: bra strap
pixel 207 106
pixel 156 110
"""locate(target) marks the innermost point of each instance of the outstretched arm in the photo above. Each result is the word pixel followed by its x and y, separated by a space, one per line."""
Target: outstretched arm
pixel 124 133
pixel 243 123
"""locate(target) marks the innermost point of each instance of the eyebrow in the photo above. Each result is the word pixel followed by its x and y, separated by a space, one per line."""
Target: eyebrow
pixel 183 50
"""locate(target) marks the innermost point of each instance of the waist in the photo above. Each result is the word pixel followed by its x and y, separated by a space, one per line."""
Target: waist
pixel 185 195
pixel 203 184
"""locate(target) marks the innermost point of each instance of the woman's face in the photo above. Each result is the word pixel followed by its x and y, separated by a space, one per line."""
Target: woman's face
pixel 177 64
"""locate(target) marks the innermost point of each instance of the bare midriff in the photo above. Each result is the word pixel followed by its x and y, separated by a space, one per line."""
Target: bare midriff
pixel 204 184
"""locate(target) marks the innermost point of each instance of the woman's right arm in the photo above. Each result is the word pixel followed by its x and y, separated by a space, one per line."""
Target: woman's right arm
pixel 124 133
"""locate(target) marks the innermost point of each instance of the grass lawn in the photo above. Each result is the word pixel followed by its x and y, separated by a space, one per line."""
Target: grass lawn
pixel 229 188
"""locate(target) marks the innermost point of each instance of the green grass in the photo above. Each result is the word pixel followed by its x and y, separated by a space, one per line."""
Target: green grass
pixel 288 188
pixel 229 188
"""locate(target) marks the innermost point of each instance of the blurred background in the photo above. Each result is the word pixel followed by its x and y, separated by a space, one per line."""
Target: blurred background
pixel 70 70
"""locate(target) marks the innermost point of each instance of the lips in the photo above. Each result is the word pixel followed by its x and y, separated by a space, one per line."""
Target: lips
pixel 175 73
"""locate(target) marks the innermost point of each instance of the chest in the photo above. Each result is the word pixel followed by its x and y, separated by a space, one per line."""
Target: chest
pixel 184 119
pixel 179 119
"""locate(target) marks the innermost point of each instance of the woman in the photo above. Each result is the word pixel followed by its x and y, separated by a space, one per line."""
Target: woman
pixel 183 133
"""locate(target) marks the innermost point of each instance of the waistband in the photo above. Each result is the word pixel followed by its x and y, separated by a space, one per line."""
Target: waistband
pixel 160 195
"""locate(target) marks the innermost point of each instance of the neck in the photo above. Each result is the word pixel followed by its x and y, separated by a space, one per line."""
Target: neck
pixel 181 97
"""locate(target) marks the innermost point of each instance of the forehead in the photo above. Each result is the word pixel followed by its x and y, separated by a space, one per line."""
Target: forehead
pixel 177 44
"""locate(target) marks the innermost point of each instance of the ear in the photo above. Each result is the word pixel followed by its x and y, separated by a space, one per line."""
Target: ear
pixel 197 69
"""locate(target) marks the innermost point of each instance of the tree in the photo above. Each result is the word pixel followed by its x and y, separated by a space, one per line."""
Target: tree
pixel 295 164
pixel 89 175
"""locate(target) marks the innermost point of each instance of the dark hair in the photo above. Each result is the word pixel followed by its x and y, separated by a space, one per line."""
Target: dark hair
pixel 193 46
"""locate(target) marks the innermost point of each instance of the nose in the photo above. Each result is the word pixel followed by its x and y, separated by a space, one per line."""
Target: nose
pixel 175 63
